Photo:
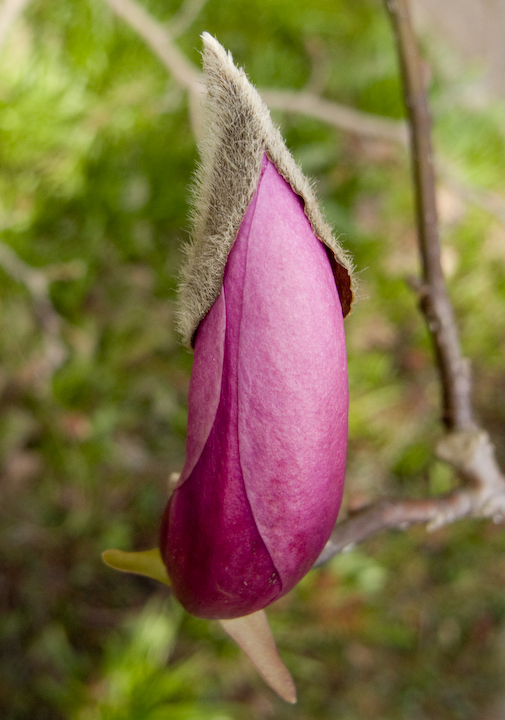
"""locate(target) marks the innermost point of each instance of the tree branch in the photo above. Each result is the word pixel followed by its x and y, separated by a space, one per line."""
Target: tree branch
pixel 37 283
pixel 341 116
pixel 158 39
pixel 471 454
pixel 185 17
pixel 466 447
pixel 435 304
pixel 402 514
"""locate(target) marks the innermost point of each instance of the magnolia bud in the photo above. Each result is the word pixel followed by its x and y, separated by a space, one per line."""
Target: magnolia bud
pixel 262 302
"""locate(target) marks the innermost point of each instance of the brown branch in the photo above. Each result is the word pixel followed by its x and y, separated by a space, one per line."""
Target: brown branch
pixel 466 447
pixel 161 41
pixel 158 39
pixel 454 370
pixel 471 454
pixel 402 514
pixel 185 17
pixel 341 116
pixel 37 282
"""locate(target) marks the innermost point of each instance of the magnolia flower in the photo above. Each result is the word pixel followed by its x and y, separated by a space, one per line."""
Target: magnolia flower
pixel 262 301
pixel 264 292
pixel 267 429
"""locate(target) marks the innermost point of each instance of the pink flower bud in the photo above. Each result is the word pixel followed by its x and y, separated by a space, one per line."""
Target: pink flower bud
pixel 264 291
pixel 267 430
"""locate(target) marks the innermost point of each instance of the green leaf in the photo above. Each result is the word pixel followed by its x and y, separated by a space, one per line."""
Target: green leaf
pixel 146 562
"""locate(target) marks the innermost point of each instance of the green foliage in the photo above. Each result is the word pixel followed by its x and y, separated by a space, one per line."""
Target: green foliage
pixel 96 153
pixel 136 684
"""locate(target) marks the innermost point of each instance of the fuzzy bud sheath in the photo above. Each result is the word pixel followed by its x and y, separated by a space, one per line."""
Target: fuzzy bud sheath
pixel 267 429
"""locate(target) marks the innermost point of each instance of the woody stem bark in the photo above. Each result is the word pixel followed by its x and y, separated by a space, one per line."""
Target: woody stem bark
pixel 454 370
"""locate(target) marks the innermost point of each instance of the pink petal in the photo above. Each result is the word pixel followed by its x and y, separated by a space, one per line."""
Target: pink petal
pixel 205 384
pixel 293 396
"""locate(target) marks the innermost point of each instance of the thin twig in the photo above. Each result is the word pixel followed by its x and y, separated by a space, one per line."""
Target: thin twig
pixel 454 369
pixel 185 17
pixel 471 454
pixel 474 462
pixel 402 514
pixel 466 447
pixel 37 282
pixel 341 116
pixel 158 39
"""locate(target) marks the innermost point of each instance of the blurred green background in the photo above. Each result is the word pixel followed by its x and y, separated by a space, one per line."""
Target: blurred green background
pixel 96 153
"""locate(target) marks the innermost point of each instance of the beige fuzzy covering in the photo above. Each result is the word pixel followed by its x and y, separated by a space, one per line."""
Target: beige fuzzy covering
pixel 238 131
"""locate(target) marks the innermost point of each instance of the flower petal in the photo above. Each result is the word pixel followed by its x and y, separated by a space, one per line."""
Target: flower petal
pixel 293 396
pixel 205 384
pixel 259 500
pixel 216 559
